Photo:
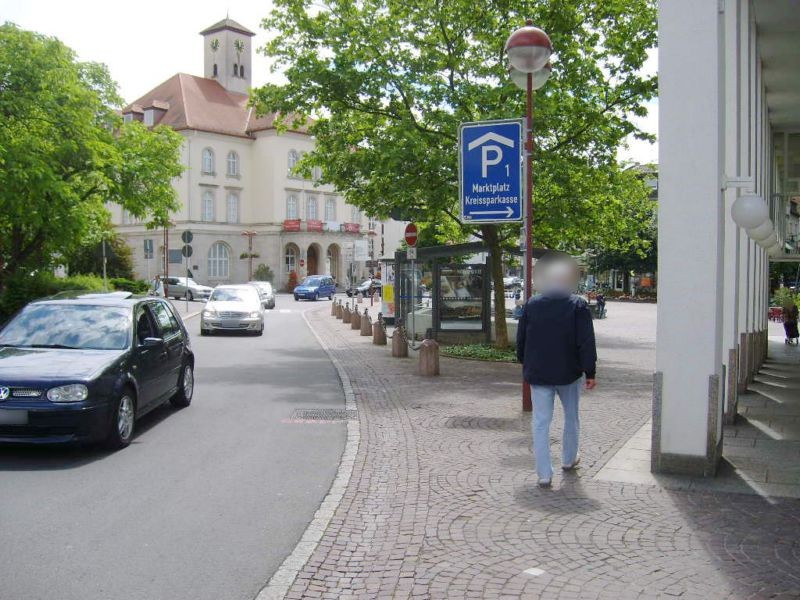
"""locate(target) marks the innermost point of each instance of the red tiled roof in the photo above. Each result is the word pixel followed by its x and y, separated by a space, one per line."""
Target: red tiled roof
pixel 202 104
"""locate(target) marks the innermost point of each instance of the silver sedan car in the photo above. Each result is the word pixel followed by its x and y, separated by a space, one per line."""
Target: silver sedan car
pixel 233 308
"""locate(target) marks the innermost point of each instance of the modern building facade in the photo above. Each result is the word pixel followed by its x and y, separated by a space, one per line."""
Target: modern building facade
pixel 239 178
pixel 729 126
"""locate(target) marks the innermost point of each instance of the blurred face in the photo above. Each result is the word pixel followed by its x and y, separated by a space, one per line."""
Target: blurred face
pixel 556 276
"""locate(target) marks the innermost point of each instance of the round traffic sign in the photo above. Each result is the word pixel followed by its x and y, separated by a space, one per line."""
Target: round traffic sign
pixel 411 234
pixel 187 237
pixel 186 250
pixel 302 263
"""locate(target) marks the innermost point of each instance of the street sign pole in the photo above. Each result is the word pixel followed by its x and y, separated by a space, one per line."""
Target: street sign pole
pixel 411 236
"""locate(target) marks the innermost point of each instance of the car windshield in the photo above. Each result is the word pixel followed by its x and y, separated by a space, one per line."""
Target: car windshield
pixel 233 295
pixel 80 326
pixel 366 283
pixel 312 281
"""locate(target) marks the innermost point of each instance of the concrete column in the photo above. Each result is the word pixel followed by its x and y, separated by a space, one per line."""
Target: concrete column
pixel 686 401
pixel 730 311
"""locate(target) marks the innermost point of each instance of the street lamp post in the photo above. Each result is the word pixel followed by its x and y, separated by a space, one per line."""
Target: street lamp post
pixel 528 50
pixel 249 235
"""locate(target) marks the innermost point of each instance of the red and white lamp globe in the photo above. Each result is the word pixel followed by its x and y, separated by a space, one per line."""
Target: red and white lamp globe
pixel 539 78
pixel 528 49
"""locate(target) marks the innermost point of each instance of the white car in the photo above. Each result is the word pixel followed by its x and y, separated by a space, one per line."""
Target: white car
pixel 183 287
pixel 233 308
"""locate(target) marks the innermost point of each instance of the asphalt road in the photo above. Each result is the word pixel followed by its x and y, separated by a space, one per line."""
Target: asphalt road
pixel 205 503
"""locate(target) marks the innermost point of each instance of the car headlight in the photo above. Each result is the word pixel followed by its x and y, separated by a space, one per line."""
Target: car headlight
pixel 255 314
pixel 75 392
pixel 209 313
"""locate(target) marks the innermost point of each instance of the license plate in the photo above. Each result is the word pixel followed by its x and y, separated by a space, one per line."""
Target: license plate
pixel 13 417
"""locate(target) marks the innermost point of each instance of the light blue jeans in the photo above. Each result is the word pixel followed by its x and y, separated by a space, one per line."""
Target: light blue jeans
pixel 543 400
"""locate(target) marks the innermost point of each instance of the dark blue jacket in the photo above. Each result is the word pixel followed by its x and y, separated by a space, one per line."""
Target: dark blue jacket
pixel 555 340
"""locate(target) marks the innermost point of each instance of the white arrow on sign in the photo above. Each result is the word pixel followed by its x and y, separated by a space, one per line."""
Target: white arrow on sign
pixel 508 212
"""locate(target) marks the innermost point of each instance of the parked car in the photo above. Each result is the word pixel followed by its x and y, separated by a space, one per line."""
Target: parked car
pixel 314 287
pixel 185 287
pixel 266 292
pixel 364 287
pixel 512 283
pixel 86 368
pixel 233 308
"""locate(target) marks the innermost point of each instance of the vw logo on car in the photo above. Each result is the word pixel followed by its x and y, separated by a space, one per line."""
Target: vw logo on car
pixel 4 393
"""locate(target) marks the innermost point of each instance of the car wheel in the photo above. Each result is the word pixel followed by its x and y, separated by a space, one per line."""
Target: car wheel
pixel 315 297
pixel 330 296
pixel 123 421
pixel 204 332
pixel 260 331
pixel 183 397
pixel 296 298
pixel 189 295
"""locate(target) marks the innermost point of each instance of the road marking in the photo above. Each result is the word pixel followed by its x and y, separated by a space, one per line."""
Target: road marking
pixel 534 572
pixel 284 311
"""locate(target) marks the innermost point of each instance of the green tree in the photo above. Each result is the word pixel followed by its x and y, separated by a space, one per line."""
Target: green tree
pixel 65 153
pixel 387 83
pixel 87 259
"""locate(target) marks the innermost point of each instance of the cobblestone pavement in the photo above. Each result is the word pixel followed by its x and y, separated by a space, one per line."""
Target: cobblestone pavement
pixel 443 502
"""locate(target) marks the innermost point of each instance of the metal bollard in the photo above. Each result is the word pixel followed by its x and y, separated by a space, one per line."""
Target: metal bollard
pixel 399 343
pixel 355 319
pixel 378 332
pixel 366 323
pixel 428 358
pixel 346 313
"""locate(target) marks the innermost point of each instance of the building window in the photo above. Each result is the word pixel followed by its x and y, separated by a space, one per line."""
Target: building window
pixel 330 209
pixel 291 207
pixel 219 259
pixel 215 69
pixel 208 161
pixel 233 164
pixel 127 117
pixel 355 215
pixel 235 70
pixel 311 208
pixel 149 117
pixel 233 207
pixel 126 217
pixel 316 173
pixel 302 156
pixel 293 158
pixel 241 71
pixel 207 210
pixel 291 259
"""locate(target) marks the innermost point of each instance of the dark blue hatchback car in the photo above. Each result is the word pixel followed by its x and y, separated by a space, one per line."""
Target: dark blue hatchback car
pixel 85 368
pixel 314 287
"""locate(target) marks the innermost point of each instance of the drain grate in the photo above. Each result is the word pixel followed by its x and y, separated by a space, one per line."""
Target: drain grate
pixel 322 415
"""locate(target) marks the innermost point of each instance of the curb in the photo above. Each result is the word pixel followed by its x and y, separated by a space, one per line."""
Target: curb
pixel 281 581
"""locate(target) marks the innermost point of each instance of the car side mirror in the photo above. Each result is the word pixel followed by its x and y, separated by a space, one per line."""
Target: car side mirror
pixel 152 342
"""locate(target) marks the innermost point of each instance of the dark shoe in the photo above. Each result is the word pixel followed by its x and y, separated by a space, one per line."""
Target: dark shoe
pixel 545 483
pixel 572 466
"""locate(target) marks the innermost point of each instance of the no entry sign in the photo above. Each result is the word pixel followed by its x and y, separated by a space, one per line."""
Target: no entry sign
pixel 411 234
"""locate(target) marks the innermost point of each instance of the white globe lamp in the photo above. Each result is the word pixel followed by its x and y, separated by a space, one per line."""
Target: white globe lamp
pixel 528 48
pixel 761 232
pixel 749 211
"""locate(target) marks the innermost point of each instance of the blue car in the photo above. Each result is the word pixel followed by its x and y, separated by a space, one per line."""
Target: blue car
pixel 85 369
pixel 315 287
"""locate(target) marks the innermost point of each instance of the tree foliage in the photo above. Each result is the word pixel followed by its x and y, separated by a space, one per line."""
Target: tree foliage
pixel 65 154
pixel 87 259
pixel 387 83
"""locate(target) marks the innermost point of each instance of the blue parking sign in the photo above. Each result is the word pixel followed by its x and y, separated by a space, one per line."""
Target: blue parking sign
pixel 490 171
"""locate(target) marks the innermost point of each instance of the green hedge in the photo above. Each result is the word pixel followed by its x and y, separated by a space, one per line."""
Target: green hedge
pixel 22 288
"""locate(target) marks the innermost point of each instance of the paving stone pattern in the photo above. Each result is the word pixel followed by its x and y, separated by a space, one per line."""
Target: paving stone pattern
pixel 443 502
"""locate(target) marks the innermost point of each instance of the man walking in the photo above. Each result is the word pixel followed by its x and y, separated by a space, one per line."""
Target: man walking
pixel 556 346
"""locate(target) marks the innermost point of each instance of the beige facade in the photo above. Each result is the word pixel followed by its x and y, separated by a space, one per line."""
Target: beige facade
pixel 239 178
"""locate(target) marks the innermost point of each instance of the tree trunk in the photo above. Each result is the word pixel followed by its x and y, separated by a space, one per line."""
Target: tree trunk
pixel 491 239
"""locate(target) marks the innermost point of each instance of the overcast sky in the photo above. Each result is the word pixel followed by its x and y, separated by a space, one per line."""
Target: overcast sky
pixel 145 43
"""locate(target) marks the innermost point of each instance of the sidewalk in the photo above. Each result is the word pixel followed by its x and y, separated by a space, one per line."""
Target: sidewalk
pixel 443 503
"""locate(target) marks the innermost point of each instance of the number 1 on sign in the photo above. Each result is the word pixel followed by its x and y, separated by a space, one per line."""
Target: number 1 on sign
pixel 508 170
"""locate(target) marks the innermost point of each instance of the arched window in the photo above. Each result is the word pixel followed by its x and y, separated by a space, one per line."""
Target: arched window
pixel 317 173
pixel 219 259
pixel 233 164
pixel 241 71
pixel 293 158
pixel 291 207
pixel 207 209
pixel 235 70
pixel 291 259
pixel 311 208
pixel 232 207
pixel 208 161
pixel 215 69
pixel 330 209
